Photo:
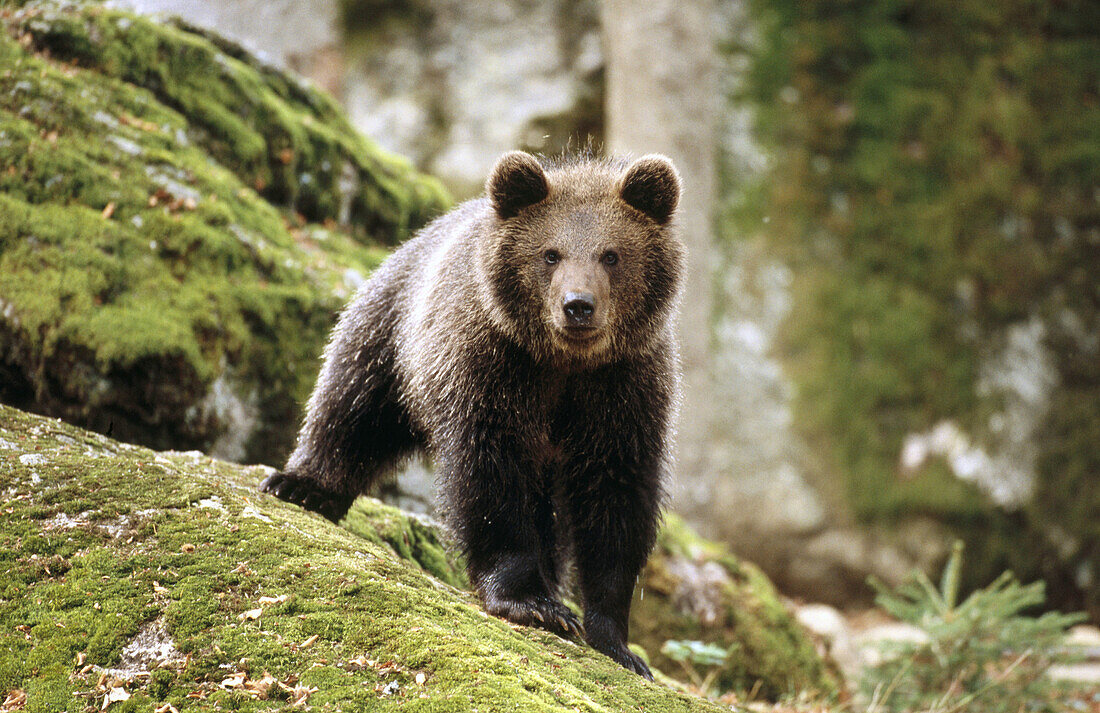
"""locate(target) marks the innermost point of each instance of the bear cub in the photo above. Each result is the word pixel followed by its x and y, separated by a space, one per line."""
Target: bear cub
pixel 525 341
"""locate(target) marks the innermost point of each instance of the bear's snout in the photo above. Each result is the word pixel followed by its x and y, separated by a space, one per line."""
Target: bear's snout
pixel 578 301
pixel 579 308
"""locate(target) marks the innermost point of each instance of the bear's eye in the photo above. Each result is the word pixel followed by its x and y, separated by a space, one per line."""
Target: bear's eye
pixel 610 258
pixel 552 257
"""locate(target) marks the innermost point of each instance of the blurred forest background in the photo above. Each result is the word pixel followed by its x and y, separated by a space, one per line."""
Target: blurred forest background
pixel 892 328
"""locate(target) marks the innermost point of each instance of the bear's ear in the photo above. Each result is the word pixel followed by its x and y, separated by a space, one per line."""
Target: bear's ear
pixel 516 181
pixel 652 185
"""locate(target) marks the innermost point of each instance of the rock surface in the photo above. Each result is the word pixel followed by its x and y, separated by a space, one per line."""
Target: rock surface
pixel 454 84
pixel 166 578
pixel 286 33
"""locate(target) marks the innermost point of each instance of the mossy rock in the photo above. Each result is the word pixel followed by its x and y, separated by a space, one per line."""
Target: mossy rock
pixel 174 229
pixel 413 537
pixel 694 590
pixel 289 141
pixel 167 578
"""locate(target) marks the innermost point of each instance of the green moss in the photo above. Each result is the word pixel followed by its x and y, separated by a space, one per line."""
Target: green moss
pixel 138 264
pixel 289 141
pixel 411 538
pixel 769 652
pixel 101 540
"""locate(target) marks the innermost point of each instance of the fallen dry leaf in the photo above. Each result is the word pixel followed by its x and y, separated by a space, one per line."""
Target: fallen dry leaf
pixel 308 642
pixel 15 701
pixel 300 695
pixel 251 614
pixel 139 123
pixel 115 695
pixel 360 662
pixel 264 601
pixel 235 681
pixel 260 688
pixel 108 210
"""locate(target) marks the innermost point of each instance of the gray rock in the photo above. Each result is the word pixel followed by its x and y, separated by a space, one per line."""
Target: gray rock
pixel 455 87
pixel 280 31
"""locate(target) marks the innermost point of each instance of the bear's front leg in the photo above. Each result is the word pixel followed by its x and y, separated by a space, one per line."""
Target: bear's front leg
pixel 504 521
pixel 614 527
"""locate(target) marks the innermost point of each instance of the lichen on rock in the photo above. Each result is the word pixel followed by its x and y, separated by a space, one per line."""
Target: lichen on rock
pixel 176 229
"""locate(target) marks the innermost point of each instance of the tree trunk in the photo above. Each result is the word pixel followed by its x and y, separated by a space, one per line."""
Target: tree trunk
pixel 662 97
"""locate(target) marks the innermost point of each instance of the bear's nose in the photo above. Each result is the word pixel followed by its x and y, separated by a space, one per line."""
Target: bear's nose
pixel 579 307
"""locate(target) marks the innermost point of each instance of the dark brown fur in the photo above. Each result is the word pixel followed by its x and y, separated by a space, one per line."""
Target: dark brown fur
pixel 524 340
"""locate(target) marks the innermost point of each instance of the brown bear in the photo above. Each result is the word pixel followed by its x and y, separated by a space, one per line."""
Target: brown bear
pixel 525 341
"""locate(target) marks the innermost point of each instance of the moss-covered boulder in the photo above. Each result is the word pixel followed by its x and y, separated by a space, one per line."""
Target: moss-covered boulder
pixel 693 589
pixel 144 577
pixel 179 225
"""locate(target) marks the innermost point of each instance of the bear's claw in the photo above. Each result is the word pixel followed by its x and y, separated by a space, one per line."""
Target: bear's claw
pixel 308 494
pixel 542 612
pixel 632 662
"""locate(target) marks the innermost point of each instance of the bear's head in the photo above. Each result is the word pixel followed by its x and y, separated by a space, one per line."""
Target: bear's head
pixel 582 263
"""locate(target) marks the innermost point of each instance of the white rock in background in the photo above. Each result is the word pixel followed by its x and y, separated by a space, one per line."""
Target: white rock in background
pixel 279 31
pixel 830 626
pixel 466 82
pixel 869 642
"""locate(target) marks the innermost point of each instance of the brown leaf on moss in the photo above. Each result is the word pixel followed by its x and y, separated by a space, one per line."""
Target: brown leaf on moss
pixel 235 681
pixel 116 694
pixel 300 696
pixel 260 688
pixel 142 124
pixel 160 196
pixel 15 701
